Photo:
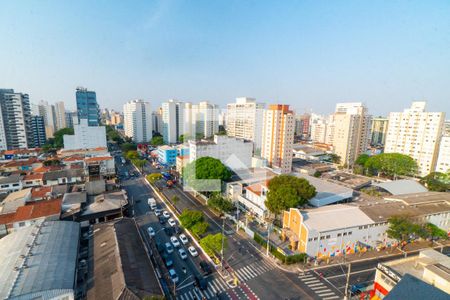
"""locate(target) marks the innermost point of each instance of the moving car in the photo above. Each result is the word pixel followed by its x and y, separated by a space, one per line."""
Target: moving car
pixel 166 214
pixel 182 253
pixel 206 268
pixel 193 251
pixel 175 242
pixel 201 283
pixel 183 239
pixel 172 222
pixel 169 248
pixel 173 275
pixel 151 231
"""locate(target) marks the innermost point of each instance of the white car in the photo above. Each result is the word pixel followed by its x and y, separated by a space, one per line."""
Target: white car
pixel 193 251
pixel 182 253
pixel 171 222
pixel 157 212
pixel 166 214
pixel 183 239
pixel 151 231
pixel 175 242
pixel 173 275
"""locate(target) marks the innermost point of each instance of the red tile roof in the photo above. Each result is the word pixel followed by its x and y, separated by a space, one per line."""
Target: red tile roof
pixel 34 177
pixel 255 188
pixel 40 192
pixel 98 158
pixel 38 210
pixel 73 158
pixel 7 218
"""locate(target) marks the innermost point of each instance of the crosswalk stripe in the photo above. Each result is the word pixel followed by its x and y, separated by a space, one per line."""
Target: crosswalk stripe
pixel 220 286
pixel 260 269
pixel 250 270
pixel 181 297
pixel 327 290
pixel 316 284
pixel 315 287
pixel 266 265
pixel 212 287
pixel 244 272
pixel 254 269
pixel 239 275
pixel 209 294
pixel 311 280
pixel 332 297
pixel 328 294
pixel 306 276
pixel 190 295
pixel 323 288
pixel 217 286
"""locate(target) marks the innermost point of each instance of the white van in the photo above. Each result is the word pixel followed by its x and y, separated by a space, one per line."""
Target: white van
pixel 152 203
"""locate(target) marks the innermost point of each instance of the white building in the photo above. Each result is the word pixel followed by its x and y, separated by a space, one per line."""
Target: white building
pixel 85 137
pixel 200 119
pixel 351 131
pixel 416 133
pixel 172 118
pixel 278 137
pixel 245 120
pixel 232 152
pixel 443 161
pixel 138 120
pixel 48 112
pixel 157 121
pixel 318 126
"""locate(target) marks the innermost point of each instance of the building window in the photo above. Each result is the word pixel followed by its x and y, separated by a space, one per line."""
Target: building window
pixel 328 236
pixel 315 238
pixel 339 234
pixel 21 224
pixel 349 233
pixel 345 233
pixel 310 240
pixel 322 237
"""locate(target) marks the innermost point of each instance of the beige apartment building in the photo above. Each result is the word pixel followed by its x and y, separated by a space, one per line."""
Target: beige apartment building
pixel 416 133
pixel 351 131
pixel 379 131
pixel 244 119
pixel 278 137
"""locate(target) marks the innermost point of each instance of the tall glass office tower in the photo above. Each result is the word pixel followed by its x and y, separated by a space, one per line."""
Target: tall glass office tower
pixel 87 106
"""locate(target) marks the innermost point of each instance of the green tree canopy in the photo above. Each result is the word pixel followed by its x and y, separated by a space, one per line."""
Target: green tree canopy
pixel 392 164
pixel 212 243
pixel 128 147
pixel 189 218
pixel 154 177
pixel 58 141
pixel 362 159
pixel 335 158
pixel 139 163
pixel 204 168
pixel 200 228
pixel 402 228
pixel 157 141
pixel 286 191
pixel 436 182
pixel 220 203
pixel 132 154
pixel 113 135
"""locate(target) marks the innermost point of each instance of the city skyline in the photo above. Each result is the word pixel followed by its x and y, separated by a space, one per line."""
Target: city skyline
pixel 378 54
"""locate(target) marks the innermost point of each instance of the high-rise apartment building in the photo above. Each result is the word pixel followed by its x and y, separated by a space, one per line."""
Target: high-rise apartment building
pixel 138 120
pixel 244 119
pixel 443 161
pixel 87 106
pixel 278 137
pixel 172 117
pixel 60 115
pixel 115 118
pixel 15 128
pixel 48 112
pixel 302 125
pixel 38 129
pixel 319 126
pixel 379 130
pixel 416 133
pixel 207 119
pixel 157 122
pixel 71 118
pixel 351 131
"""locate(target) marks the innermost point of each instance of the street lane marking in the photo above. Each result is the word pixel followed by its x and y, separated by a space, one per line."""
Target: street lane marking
pixel 329 298
pixel 246 274
pixel 252 271
pixel 309 280
pixel 314 288
pixel 190 295
pixel 316 284
pixel 327 290
pixel 217 286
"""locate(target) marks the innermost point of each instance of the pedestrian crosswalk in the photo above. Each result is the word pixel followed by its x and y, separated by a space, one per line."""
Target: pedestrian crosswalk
pixel 215 287
pixel 318 286
pixel 252 270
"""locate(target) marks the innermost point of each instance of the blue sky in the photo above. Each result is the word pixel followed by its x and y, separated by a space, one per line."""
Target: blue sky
pixel 310 54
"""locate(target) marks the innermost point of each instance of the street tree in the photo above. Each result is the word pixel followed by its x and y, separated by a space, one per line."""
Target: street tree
pixel 205 168
pixel 132 154
pixel 157 141
pixel 286 191
pixel 212 243
pixel 219 203
pixel 58 138
pixel 392 165
pixel 436 182
pixel 175 199
pixel 128 147
pixel 139 163
pixel 335 158
pixel 189 218
pixel 200 228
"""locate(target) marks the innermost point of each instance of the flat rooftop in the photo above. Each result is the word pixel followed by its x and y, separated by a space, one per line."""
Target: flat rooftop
pixel 38 259
pixel 400 187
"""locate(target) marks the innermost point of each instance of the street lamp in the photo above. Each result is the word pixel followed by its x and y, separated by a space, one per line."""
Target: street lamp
pixel 269 221
pixel 223 239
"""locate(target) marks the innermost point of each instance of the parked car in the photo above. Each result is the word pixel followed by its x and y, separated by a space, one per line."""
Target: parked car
pixel 193 251
pixel 158 212
pixel 183 239
pixel 175 242
pixel 169 248
pixel 206 268
pixel 166 214
pixel 201 283
pixel 169 231
pixel 173 275
pixel 182 253
pixel 172 222
pixel 151 231
pixel 162 220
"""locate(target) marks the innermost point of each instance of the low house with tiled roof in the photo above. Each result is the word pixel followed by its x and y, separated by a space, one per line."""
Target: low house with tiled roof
pixel 41 193
pixel 29 213
pixel 11 183
pixel 63 177
pixel 32 180
pixel 21 165
pixel 103 165
pixel 20 153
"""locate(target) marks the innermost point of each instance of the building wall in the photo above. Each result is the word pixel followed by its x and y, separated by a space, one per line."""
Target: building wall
pixel 60 113
pixel 38 129
pixel 244 119
pixel 416 133
pixel 173 124
pixel 138 120
pixel 85 137
pixel 443 161
pixel 167 155
pixel 278 137
pixel 379 131
pixel 87 106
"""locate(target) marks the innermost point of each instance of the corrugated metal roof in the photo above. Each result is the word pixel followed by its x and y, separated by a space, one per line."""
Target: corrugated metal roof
pixel 400 187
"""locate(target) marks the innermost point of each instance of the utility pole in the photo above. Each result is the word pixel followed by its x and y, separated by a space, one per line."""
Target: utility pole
pixel 268 237
pixel 346 284
pixel 237 216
